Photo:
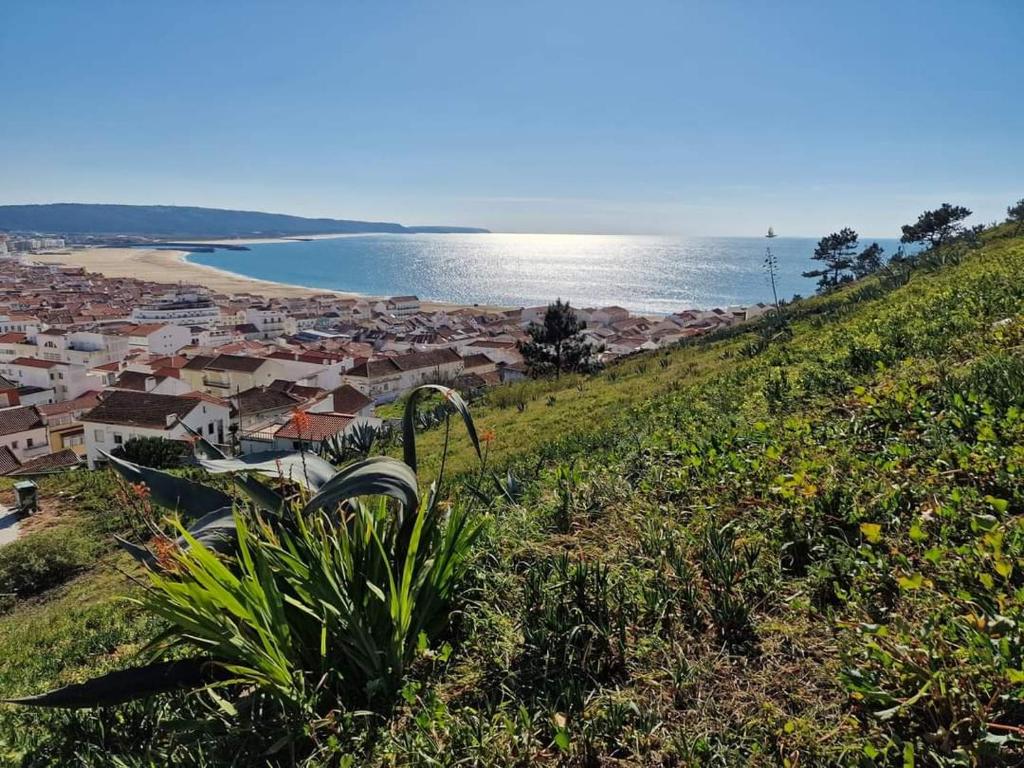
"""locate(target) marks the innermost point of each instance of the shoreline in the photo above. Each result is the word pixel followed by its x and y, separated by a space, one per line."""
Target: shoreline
pixel 173 266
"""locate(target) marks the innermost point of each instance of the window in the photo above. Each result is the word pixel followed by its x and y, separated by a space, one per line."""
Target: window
pixel 118 440
pixel 29 443
pixel 14 445
pixel 210 428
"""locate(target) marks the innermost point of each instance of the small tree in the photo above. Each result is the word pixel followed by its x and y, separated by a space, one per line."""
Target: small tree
pixel 557 344
pixel 155 452
pixel 836 252
pixel 1016 213
pixel 868 261
pixel 937 228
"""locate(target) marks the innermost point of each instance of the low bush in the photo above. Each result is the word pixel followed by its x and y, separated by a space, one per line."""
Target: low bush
pixel 44 559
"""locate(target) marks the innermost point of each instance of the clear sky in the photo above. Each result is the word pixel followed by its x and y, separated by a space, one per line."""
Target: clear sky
pixel 709 117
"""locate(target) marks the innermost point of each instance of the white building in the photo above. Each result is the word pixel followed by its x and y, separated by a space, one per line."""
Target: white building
pixel 67 381
pixel 179 308
pixel 125 414
pixel 159 338
pixel 23 432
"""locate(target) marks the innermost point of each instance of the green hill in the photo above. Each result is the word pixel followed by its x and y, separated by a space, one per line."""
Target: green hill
pixel 183 222
pixel 756 549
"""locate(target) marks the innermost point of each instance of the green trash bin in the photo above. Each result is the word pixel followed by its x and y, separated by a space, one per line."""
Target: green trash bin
pixel 26 498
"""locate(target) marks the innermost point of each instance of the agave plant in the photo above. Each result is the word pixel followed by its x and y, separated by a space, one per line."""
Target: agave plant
pixel 359 441
pixel 310 600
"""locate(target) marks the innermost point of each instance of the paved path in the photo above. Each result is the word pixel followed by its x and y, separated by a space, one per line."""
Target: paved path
pixel 9 525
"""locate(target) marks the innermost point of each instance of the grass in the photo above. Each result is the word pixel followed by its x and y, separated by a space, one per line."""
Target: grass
pixel 807 551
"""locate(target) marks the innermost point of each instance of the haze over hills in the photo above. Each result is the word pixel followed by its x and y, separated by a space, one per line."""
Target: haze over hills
pixel 186 221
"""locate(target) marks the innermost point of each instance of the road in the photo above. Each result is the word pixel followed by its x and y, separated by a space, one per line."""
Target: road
pixel 10 526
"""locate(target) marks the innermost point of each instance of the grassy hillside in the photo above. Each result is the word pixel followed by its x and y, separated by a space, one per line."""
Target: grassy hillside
pixel 750 550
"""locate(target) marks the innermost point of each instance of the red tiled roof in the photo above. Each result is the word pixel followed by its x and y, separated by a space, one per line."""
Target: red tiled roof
pixel 348 399
pixel 20 418
pixel 320 426
pixel 82 402
pixel 8 461
pixel 51 462
pixel 33 362
pixel 142 409
pixel 13 338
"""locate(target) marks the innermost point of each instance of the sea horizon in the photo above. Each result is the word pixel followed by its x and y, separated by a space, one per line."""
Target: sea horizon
pixel 646 274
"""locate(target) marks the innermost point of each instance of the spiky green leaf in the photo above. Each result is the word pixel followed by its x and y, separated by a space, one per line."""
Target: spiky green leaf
pixel 409 419
pixel 183 496
pixel 129 684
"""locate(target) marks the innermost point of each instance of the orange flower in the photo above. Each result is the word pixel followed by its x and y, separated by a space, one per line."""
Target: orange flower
pixel 141 490
pixel 301 419
pixel 487 436
pixel 165 552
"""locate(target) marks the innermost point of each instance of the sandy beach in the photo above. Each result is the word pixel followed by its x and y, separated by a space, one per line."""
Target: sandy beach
pixel 171 266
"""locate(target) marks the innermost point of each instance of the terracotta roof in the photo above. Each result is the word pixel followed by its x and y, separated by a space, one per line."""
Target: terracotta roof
pixel 492 344
pixel 51 462
pixel 33 362
pixel 259 399
pixel 225 363
pixel 20 418
pixel 139 409
pixel 134 380
pixel 82 402
pixel 476 361
pixel 146 329
pixel 13 338
pixel 8 461
pixel 320 426
pixel 348 399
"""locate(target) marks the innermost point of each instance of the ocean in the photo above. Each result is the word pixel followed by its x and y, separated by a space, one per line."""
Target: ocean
pixel 645 274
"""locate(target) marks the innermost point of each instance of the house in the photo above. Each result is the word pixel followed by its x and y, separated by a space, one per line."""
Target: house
pixel 67 381
pixel 225 374
pixel 608 315
pixel 23 432
pixel 303 431
pixel 141 381
pixel 124 414
pixel 498 350
pixel 8 393
pixel 344 399
pixel 478 363
pixel 384 379
pixel 399 306
pixel 260 406
pixel 159 338
pixel 63 428
pixel 47 464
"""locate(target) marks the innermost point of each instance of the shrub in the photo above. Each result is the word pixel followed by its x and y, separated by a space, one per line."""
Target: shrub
pixel 155 452
pixel 43 560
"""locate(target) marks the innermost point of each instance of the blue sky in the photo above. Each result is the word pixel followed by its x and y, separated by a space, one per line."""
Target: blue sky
pixel 635 117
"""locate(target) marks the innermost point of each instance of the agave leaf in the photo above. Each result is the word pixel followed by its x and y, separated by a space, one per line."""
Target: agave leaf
pixel 176 493
pixel 215 531
pixel 380 475
pixel 128 684
pixel 259 494
pixel 202 447
pixel 409 419
pixel 307 469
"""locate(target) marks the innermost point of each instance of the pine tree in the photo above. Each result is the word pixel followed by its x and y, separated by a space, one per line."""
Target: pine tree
pixel 868 261
pixel 557 344
pixel 836 252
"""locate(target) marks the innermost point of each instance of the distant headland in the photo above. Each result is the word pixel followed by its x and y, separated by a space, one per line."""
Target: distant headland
pixel 175 221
